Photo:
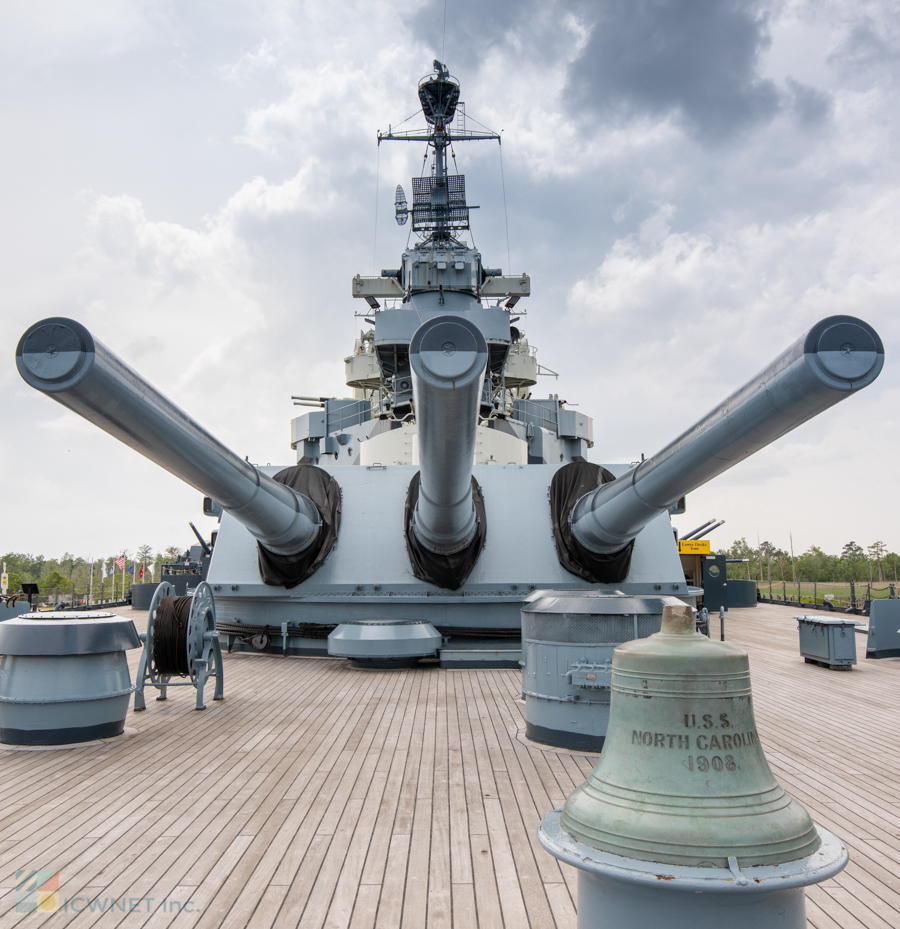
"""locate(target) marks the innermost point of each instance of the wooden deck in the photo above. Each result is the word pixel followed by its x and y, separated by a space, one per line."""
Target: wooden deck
pixel 315 795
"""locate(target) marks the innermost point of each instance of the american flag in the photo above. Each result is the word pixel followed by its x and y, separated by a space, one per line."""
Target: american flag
pixel 120 562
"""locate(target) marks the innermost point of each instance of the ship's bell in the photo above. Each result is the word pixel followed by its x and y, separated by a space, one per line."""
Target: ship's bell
pixel 683 779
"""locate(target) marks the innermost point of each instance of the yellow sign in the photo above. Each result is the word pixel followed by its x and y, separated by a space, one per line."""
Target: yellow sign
pixel 693 547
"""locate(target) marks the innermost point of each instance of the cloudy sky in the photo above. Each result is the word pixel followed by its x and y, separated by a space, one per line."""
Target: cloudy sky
pixel 691 185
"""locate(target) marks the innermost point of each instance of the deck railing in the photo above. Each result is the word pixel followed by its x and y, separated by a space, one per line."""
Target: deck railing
pixel 849 597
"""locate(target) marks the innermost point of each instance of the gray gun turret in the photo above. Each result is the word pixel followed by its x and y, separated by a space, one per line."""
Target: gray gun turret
pixel 60 358
pixel 837 357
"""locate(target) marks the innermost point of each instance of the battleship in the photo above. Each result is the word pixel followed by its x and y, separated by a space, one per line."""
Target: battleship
pixel 442 494
pixel 443 491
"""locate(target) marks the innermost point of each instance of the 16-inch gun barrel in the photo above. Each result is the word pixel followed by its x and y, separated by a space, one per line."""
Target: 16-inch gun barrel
pixel 837 357
pixel 448 356
pixel 60 358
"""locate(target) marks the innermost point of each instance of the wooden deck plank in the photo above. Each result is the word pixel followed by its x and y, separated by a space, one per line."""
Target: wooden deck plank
pixel 464 914
pixel 145 824
pixel 365 910
pixel 323 796
pixel 510 892
pixel 460 850
pixel 390 907
pixel 487 897
pixel 344 903
pixel 522 788
pixel 415 899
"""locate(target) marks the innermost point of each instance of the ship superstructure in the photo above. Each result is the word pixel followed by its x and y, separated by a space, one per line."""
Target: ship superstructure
pixel 441 274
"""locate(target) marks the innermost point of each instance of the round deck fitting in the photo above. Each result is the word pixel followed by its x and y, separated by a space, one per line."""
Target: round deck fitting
pixel 64 677
pixel 384 643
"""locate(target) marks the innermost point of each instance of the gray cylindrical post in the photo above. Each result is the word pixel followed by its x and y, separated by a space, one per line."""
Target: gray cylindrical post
pixel 60 358
pixel 629 894
pixel 448 356
pixel 64 677
pixel 722 623
pixel 837 357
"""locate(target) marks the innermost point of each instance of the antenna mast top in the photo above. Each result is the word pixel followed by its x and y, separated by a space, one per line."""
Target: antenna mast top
pixel 439 202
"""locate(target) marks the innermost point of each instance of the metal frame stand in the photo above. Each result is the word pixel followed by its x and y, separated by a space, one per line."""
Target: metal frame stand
pixel 204 652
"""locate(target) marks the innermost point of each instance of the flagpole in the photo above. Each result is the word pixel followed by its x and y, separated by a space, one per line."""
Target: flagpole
pixel 91 585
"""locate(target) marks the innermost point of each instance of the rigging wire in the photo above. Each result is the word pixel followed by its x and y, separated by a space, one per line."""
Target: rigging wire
pixel 456 169
pixel 375 237
pixel 486 128
pixel 505 215
pixel 408 118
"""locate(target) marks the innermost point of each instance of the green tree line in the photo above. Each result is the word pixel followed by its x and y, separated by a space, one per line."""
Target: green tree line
pixel 75 571
pixel 768 563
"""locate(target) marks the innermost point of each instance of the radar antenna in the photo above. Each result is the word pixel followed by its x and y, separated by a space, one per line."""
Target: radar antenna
pixel 438 202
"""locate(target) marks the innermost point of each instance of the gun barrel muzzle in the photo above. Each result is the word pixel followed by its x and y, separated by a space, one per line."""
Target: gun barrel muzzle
pixel 448 356
pixel 60 358
pixel 839 356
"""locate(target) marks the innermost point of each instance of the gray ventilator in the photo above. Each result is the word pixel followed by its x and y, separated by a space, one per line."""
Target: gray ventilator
pixel 60 358
pixel 568 639
pixel 384 641
pixel 837 357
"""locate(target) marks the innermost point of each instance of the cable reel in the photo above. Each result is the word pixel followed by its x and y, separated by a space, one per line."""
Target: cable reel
pixel 181 641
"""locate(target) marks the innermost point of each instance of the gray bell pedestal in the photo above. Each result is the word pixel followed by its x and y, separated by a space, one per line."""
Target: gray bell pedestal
pixel 622 893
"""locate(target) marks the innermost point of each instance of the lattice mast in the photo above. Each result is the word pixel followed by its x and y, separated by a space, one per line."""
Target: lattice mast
pixel 439 205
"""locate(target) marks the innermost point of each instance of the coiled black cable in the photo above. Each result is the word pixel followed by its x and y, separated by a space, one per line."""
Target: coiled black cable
pixel 170 636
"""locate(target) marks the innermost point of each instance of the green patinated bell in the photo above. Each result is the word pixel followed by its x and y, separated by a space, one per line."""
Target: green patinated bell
pixel 683 779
